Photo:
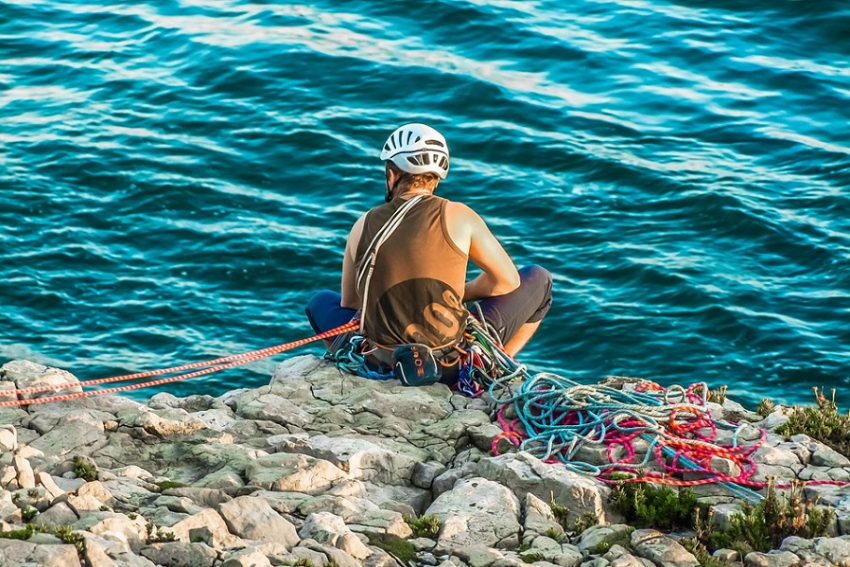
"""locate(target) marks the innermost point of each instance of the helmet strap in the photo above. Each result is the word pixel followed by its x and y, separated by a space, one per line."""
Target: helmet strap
pixel 389 195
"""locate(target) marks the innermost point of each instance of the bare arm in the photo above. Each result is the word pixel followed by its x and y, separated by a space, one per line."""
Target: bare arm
pixel 350 298
pixel 498 272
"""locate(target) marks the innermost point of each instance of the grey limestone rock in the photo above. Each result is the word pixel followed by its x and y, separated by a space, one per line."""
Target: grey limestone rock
pixel 24 473
pixel 596 539
pixel 826 457
pixel 27 374
pixel 8 436
pixel 248 557
pixel 424 473
pixel 772 559
pixel 523 473
pixel 294 473
pixel 60 514
pixel 476 511
pixel 267 406
pixel 180 554
pixel 253 518
pixel 208 526
pixel 367 459
pixel 15 552
pixel 661 549
pixel 538 517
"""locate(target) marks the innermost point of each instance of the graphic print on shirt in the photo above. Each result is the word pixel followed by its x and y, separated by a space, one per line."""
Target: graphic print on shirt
pixel 423 310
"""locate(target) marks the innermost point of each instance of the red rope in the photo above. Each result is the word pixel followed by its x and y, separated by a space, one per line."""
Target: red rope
pixel 213 366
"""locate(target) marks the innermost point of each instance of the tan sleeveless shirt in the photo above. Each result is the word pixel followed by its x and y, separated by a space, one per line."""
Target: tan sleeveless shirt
pixel 416 290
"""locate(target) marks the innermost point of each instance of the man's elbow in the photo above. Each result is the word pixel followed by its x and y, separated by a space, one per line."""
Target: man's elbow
pixel 508 284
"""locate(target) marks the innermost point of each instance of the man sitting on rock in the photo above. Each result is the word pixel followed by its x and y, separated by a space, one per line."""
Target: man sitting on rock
pixel 405 264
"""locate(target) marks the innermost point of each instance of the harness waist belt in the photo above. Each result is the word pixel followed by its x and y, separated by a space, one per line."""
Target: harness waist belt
pixel 383 355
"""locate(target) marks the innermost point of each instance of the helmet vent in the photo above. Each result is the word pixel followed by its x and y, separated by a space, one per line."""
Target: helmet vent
pixel 409 134
pixel 434 143
pixel 413 160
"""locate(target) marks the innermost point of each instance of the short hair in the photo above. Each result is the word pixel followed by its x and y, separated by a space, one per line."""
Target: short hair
pixel 407 180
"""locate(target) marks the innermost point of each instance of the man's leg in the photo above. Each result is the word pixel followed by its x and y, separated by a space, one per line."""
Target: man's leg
pixel 325 313
pixel 516 315
pixel 519 340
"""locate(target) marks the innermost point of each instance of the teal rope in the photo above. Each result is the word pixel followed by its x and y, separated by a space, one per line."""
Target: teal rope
pixel 540 398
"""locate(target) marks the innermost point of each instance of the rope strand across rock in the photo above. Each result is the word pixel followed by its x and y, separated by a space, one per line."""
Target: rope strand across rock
pixel 211 366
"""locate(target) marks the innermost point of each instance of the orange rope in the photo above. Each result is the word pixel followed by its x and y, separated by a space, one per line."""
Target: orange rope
pixel 213 366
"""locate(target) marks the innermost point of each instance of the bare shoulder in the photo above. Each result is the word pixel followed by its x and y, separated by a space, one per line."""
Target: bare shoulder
pixel 459 213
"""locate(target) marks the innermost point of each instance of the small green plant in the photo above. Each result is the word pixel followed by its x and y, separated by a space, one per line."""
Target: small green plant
pixel 698 550
pixel 394 545
pixel 166 484
pixel 132 515
pixel 68 535
pixel 765 407
pixel 821 422
pixel 105 508
pixel 33 493
pixel 426 526
pixel 531 557
pixel 764 526
pixel 303 562
pixel 587 520
pixel 24 533
pixel 84 470
pixel 651 507
pixel 561 513
pixel 552 533
pixel 28 513
pixel 718 396
pixel 157 534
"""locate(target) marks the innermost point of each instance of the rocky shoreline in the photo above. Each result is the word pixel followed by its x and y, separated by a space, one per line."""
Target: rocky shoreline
pixel 318 468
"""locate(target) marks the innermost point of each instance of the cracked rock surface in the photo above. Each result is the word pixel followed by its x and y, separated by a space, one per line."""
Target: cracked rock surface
pixel 315 467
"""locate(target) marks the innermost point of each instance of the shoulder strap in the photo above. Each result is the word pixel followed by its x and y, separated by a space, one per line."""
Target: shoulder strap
pixel 369 258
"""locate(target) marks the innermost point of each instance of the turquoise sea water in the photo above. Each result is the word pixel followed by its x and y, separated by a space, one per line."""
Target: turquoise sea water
pixel 177 177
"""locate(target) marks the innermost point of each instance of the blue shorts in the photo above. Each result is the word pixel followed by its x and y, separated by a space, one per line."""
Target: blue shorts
pixel 529 303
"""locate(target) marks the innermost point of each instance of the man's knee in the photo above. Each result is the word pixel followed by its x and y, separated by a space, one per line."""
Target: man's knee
pixel 536 275
pixel 322 299
pixel 538 279
pixel 319 307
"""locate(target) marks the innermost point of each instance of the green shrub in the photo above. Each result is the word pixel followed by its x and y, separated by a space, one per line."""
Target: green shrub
pixel 764 526
pixel 765 407
pixel 647 506
pixel 394 545
pixel 426 526
pixel 531 557
pixel 166 484
pixel 84 470
pixel 28 513
pixel 67 535
pixel 821 422
pixel 157 534
pixel 24 533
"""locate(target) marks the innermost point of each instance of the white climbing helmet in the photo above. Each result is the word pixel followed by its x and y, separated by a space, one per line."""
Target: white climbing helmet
pixel 418 148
